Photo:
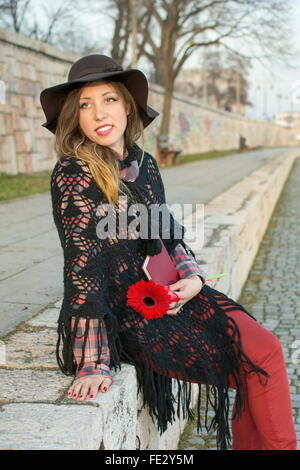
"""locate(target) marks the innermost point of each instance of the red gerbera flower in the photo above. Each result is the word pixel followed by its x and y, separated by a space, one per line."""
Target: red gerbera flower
pixel 150 299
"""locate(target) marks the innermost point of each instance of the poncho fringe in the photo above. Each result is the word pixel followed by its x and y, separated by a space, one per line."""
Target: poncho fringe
pixel 193 347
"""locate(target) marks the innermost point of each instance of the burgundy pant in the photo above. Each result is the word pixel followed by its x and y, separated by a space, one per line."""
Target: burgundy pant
pixel 266 422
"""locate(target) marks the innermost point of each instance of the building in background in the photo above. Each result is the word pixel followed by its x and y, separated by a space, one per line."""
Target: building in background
pixel 289 120
pixel 224 89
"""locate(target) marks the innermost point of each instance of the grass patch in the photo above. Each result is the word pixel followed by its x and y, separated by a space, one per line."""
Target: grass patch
pixel 23 184
pixel 189 433
pixel 186 434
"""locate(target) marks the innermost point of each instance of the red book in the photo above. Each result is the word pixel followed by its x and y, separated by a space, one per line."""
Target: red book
pixel 160 268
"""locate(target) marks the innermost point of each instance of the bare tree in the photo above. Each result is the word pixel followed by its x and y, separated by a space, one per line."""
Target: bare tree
pixel 221 83
pixel 122 30
pixel 13 13
pixel 65 28
pixel 56 23
pixel 120 14
pixel 232 70
pixel 56 17
pixel 171 31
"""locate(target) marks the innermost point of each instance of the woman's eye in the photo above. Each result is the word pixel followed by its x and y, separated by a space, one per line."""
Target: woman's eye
pixel 82 106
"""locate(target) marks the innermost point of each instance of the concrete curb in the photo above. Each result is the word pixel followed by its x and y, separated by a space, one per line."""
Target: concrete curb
pixel 35 413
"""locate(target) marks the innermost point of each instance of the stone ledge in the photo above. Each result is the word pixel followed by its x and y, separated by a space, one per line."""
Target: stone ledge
pixel 36 413
pixel 40 426
pixel 26 42
pixel 235 222
pixel 31 381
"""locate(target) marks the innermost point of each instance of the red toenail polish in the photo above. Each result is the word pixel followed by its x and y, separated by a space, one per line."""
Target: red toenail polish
pixel 91 396
pixel 75 395
pixel 104 389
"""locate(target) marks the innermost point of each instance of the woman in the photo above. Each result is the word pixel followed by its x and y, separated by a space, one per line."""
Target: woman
pixel 206 338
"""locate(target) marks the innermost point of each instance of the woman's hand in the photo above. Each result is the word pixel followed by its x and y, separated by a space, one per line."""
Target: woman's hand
pixel 89 385
pixel 187 288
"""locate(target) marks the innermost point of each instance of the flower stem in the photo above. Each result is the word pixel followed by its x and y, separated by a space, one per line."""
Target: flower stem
pixel 217 276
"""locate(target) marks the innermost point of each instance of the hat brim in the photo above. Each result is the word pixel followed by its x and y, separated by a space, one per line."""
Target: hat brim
pixel 52 98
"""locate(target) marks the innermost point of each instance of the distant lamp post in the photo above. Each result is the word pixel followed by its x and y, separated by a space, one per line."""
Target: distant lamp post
pixel 266 88
pixel 238 92
pixel 258 88
pixel 279 96
pixel 204 75
pixel 292 113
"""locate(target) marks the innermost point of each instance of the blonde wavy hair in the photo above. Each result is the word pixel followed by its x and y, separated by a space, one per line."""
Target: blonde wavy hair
pixel 101 160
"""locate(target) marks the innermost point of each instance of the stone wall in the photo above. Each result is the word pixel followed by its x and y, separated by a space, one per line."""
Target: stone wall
pixel 27 66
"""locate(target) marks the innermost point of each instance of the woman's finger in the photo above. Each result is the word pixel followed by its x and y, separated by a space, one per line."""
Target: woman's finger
pixel 177 304
pixel 174 311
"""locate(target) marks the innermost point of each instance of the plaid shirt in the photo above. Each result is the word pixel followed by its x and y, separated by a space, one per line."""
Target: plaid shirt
pixel 186 267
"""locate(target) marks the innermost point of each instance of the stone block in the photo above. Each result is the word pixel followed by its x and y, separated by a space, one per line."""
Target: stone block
pixel 8 123
pixel 48 318
pixel 20 123
pixel 23 141
pixel 39 426
pixel 119 410
pixel 150 439
pixel 8 154
pixel 30 106
pixel 31 348
pixel 32 385
pixel 3 129
pixel 148 436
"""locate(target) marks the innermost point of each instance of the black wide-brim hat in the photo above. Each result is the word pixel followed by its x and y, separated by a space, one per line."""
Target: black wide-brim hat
pixel 91 68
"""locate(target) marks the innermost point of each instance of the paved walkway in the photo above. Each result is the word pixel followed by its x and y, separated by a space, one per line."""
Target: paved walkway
pixel 271 293
pixel 31 261
pixel 201 181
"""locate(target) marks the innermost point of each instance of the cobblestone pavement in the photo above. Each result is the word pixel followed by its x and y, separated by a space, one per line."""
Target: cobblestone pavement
pixel 271 294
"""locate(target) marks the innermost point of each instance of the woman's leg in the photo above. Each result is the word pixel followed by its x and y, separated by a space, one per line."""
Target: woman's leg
pixel 267 418
pixel 245 435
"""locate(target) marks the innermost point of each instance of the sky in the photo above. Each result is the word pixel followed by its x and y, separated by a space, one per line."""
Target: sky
pixel 265 83
pixel 279 80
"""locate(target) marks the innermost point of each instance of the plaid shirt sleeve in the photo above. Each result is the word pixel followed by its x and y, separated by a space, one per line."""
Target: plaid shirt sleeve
pixel 91 367
pixel 185 264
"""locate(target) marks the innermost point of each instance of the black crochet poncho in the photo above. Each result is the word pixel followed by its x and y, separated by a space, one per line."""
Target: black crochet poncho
pixel 200 344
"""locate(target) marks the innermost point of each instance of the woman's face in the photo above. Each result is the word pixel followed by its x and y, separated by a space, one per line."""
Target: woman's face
pixel 103 108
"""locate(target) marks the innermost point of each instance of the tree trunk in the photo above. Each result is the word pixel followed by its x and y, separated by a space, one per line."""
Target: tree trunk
pixel 166 111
